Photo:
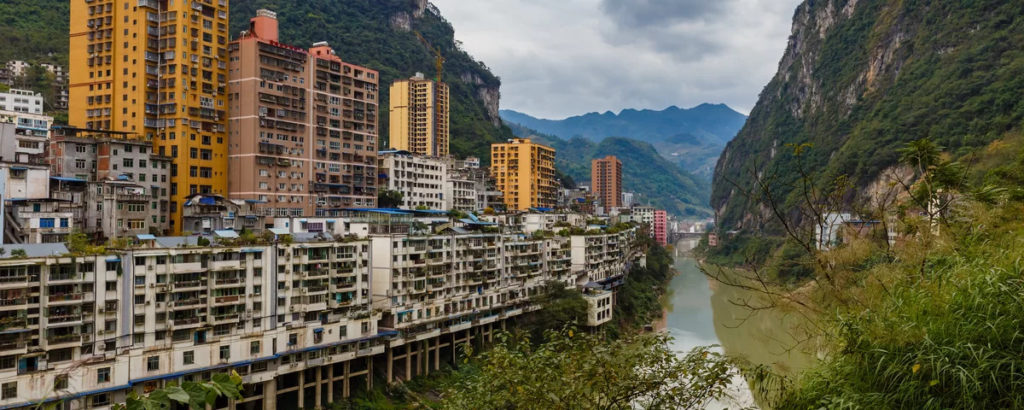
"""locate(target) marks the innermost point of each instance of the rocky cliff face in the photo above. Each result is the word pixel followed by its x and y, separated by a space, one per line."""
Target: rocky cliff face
pixel 858 80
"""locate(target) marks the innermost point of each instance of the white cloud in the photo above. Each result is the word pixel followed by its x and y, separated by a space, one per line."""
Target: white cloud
pixel 569 57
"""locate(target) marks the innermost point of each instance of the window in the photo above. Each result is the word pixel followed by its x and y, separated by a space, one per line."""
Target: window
pixel 225 352
pixel 153 363
pixel 46 222
pixel 103 375
pixel 128 162
pixel 254 348
pixel 188 357
pixel 60 382
pixel 10 390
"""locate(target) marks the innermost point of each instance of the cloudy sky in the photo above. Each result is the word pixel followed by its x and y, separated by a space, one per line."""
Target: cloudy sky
pixel 559 58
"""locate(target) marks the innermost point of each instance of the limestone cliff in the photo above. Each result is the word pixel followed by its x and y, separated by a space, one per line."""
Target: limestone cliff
pixel 859 79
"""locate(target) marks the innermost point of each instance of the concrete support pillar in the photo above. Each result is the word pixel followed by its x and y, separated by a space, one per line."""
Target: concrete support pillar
pixel 437 354
pixel 408 361
pixel 390 364
pixel 455 351
pixel 345 383
pixel 319 387
pixel 422 359
pixel 369 374
pixel 270 395
pixel 330 383
pixel 302 389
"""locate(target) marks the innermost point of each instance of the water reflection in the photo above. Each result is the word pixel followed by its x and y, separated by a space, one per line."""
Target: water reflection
pixel 701 312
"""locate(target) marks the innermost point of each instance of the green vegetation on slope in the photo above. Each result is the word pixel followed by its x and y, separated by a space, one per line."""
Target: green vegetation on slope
pixel 929 321
pixel 35 31
pixel 692 138
pixel 890 73
pixel 654 179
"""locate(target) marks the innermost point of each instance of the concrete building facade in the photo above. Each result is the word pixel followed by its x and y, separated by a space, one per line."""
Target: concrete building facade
pixel 660 227
pixel 157 69
pixel 525 173
pixel 303 322
pixel 118 179
pixel 606 181
pixel 22 101
pixel 419 120
pixel 422 180
pixel 303 123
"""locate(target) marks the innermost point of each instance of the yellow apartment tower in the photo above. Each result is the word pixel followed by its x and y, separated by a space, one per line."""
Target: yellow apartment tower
pixel 525 173
pixel 157 68
pixel 419 116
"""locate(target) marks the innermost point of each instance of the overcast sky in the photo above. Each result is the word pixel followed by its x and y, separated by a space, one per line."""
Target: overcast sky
pixel 559 58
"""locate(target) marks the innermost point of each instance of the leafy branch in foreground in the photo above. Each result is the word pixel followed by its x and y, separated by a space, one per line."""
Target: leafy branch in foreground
pixel 573 370
pixel 195 395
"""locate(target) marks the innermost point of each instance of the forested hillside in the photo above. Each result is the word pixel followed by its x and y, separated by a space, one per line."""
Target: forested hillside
pixel 654 180
pixel 375 33
pixel 692 138
pixel 859 80
pixel 34 30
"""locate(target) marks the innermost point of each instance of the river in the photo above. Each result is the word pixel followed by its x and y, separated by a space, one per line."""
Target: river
pixel 702 312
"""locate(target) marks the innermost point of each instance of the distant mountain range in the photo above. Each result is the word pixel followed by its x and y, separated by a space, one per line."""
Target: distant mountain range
pixel 654 180
pixel 692 138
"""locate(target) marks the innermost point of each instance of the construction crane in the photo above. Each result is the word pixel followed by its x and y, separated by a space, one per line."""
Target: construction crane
pixel 439 59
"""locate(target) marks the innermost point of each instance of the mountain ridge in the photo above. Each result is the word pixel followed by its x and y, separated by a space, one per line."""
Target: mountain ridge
pixel 861 79
pixel 655 180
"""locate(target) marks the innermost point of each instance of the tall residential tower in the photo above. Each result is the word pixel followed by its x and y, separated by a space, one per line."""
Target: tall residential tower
pixel 525 174
pixel 303 126
pixel 157 68
pixel 419 116
pixel 606 181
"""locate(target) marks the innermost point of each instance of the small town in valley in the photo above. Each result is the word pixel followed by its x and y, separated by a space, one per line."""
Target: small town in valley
pixel 224 203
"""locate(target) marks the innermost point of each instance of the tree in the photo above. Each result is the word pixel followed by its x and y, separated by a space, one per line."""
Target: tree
pixel 574 370
pixel 389 199
pixel 195 395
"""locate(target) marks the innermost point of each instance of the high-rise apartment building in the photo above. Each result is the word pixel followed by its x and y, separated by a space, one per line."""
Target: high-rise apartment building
pixel 303 125
pixel 157 68
pixel 661 227
pixel 525 174
pixel 606 181
pixel 419 116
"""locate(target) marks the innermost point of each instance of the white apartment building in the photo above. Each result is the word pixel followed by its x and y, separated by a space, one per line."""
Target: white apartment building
pixel 420 179
pixel 533 222
pixel 460 194
pixel 23 136
pixel 600 305
pixel 603 257
pixel 21 101
pixel 18 67
pixel 302 321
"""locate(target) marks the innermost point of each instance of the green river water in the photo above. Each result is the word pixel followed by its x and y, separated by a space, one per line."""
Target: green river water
pixel 703 312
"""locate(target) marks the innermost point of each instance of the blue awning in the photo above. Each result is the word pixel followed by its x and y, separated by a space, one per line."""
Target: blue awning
pixel 113 259
pixel 66 179
pixel 227 233
pixel 145 237
pixel 207 200
pixel 318 330
pixel 252 250
pixel 18 168
pixel 279 231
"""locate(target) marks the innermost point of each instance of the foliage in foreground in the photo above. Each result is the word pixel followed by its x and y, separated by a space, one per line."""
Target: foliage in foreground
pixel 937 328
pixel 195 395
pixel 573 370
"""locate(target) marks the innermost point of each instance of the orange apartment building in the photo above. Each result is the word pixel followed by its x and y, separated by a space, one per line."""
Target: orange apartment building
pixel 606 181
pixel 525 173
pixel 303 126
pixel 156 68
